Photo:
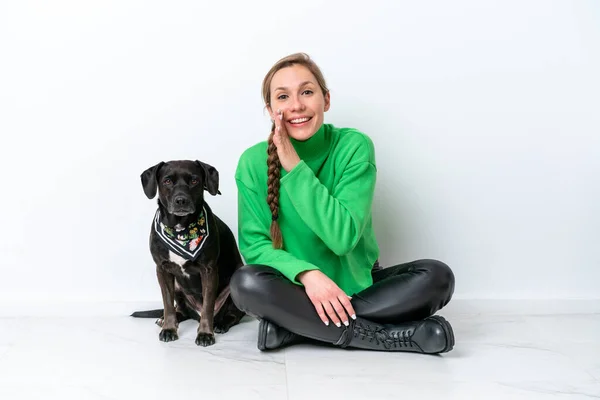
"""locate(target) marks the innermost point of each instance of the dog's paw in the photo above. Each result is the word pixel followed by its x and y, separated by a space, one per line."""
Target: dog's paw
pixel 221 329
pixel 222 325
pixel 205 339
pixel 168 335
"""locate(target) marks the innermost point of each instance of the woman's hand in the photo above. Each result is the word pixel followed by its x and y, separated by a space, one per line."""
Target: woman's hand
pixel 327 297
pixel 285 150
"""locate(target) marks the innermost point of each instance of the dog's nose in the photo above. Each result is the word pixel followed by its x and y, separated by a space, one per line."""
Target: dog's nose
pixel 181 201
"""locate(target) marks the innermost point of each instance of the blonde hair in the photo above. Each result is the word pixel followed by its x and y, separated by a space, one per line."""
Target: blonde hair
pixel 274 165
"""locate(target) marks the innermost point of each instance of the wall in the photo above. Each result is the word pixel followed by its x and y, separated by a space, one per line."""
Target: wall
pixel 485 119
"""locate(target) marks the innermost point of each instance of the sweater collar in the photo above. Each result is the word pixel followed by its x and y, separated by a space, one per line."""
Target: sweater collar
pixel 315 146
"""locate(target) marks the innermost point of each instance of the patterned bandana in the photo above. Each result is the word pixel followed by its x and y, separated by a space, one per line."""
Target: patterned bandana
pixel 185 242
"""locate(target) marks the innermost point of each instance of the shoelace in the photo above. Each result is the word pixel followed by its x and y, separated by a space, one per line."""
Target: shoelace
pixel 381 336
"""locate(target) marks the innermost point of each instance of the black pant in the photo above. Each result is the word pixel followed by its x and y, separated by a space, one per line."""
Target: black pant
pixel 402 293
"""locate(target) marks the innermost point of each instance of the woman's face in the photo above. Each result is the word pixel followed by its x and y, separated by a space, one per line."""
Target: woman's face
pixel 295 91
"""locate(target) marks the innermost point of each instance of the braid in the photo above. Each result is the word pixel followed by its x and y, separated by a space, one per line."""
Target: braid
pixel 273 190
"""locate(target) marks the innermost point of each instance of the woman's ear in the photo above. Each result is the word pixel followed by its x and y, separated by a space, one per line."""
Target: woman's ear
pixel 327 101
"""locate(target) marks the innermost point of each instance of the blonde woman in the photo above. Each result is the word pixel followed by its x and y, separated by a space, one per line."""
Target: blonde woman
pixel 306 234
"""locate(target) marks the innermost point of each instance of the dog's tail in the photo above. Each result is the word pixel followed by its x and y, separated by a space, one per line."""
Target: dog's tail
pixel 148 314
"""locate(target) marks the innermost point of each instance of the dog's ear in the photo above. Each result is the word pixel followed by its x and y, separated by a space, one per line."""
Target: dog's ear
pixel 211 178
pixel 150 180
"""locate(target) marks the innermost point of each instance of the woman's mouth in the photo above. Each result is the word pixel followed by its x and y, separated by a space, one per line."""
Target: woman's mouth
pixel 298 122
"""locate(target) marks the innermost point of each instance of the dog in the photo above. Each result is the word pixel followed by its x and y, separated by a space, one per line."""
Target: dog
pixel 195 252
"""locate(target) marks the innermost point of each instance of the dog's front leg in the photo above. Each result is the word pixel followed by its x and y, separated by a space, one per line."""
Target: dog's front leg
pixel 166 281
pixel 210 282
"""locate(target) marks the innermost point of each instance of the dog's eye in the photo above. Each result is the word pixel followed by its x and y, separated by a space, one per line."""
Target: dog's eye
pixel 194 181
pixel 167 181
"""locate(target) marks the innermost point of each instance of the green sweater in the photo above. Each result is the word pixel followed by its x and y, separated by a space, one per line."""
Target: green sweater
pixel 324 209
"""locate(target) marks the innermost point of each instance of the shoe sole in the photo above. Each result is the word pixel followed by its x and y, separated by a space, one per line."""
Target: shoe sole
pixel 447 330
pixel 262 335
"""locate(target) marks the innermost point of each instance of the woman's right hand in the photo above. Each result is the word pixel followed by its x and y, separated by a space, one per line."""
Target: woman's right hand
pixel 327 298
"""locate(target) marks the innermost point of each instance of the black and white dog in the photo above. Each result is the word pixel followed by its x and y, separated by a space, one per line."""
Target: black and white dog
pixel 195 252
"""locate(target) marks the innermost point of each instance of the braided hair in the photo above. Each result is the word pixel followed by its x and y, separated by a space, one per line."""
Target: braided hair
pixel 274 171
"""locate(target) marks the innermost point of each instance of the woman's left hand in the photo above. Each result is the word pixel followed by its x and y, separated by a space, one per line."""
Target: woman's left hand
pixel 285 150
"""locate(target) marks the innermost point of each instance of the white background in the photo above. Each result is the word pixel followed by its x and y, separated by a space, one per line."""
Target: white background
pixel 485 117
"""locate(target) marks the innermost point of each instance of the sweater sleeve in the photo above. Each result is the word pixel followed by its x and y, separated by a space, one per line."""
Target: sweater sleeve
pixel 254 218
pixel 339 217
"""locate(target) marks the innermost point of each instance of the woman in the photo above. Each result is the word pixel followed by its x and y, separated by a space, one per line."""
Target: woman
pixel 305 230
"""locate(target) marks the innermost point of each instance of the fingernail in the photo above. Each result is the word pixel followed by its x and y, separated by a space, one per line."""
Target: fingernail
pixel 346 323
pixel 326 323
pixel 353 316
pixel 280 116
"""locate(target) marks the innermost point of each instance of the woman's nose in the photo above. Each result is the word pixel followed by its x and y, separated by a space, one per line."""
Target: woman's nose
pixel 297 104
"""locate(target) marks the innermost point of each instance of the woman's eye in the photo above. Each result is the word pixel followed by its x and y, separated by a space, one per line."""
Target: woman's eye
pixel 307 92
pixel 282 97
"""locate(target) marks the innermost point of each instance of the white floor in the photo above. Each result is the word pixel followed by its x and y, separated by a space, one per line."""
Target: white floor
pixel 525 354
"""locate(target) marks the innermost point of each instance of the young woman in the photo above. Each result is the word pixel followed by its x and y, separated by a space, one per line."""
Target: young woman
pixel 306 233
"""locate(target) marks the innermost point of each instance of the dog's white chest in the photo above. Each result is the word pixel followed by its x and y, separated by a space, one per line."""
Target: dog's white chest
pixel 177 259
